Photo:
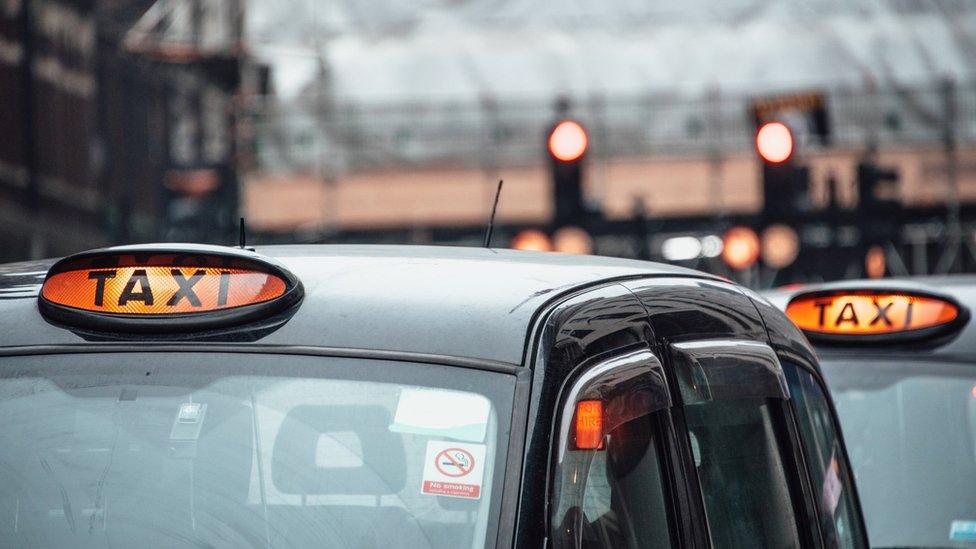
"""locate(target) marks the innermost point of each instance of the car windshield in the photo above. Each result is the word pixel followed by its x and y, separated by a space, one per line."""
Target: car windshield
pixel 910 429
pixel 235 450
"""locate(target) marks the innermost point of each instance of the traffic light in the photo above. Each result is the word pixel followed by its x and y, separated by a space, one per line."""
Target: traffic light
pixel 567 142
pixel 786 184
pixel 774 142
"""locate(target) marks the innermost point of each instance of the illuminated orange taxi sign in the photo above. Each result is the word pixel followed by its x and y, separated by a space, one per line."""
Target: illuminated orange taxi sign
pixel 148 290
pixel 877 314
pixel 165 289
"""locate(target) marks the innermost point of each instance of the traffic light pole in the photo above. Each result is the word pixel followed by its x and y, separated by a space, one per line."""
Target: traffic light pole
pixel 567 143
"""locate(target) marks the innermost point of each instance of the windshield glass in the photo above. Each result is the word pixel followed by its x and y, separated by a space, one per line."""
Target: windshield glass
pixel 910 429
pixel 234 450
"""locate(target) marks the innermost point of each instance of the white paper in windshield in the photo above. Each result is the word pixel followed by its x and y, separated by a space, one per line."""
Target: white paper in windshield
pixel 963 530
pixel 444 414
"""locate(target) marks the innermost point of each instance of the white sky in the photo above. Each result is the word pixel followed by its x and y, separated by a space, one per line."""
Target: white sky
pixel 396 50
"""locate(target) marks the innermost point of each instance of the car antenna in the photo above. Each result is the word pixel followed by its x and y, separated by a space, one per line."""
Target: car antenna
pixel 491 220
pixel 243 240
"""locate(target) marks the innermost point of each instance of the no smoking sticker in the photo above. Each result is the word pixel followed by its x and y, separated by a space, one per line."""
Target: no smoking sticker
pixel 453 469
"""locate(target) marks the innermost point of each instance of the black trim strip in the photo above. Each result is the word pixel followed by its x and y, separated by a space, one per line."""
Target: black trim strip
pixel 804 364
pixel 695 531
pixel 339 352
pixel 511 492
pixel 899 354
pixel 797 470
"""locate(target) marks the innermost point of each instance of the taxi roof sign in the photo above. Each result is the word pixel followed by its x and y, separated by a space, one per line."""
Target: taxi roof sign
pixel 169 288
pixel 874 315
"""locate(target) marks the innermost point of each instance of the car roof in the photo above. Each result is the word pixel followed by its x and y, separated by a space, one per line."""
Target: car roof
pixel 464 302
pixel 962 288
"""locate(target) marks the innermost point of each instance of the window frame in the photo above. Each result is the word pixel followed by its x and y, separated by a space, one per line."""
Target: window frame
pixel 802 363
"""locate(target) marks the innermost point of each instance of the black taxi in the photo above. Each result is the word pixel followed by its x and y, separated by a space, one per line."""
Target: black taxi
pixel 368 396
pixel 900 359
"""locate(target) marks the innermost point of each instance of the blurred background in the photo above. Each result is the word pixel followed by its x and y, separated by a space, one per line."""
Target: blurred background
pixel 772 142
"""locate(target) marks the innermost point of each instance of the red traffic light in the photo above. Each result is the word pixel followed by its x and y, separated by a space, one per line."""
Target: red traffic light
pixel 774 142
pixel 568 141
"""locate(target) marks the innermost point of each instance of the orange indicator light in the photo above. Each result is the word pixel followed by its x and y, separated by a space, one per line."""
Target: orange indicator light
pixel 589 424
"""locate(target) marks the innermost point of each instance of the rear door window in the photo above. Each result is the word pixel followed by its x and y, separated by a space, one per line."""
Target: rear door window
pixel 738 456
pixel 734 409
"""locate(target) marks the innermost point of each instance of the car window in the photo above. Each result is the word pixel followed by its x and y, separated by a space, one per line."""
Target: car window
pixel 733 394
pixel 825 458
pixel 623 494
pixel 194 449
pixel 740 464
pixel 608 487
pixel 910 430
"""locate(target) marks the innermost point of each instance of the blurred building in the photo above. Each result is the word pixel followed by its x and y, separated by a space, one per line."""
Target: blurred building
pixel 48 109
pixel 190 54
pixel 118 118
pixel 389 121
